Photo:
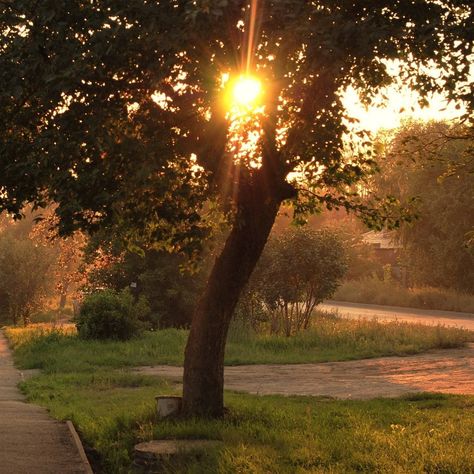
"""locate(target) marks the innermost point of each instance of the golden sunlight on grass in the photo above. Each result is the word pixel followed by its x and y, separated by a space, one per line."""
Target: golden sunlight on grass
pixel 19 336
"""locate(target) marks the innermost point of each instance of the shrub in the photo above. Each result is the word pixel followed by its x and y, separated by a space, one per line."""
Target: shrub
pixel 110 315
pixel 170 292
pixel 298 270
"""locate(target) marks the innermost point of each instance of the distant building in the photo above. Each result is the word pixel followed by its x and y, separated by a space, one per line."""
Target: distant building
pixel 387 250
pixel 384 244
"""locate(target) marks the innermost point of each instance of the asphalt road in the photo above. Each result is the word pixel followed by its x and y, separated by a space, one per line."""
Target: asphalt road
pixel 391 313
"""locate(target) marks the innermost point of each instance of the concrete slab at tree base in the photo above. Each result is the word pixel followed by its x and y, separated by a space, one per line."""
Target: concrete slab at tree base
pixel 153 453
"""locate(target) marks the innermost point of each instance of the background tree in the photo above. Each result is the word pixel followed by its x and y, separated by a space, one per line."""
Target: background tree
pixel 361 258
pixel 24 277
pixel 112 111
pixel 158 276
pixel 68 254
pixel 429 162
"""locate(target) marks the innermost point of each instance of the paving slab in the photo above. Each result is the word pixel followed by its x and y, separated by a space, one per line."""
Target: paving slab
pixel 31 442
pixel 444 371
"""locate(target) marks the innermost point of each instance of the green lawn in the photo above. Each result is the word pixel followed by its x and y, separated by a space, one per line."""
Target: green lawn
pixel 330 339
pixel 113 411
pixel 88 382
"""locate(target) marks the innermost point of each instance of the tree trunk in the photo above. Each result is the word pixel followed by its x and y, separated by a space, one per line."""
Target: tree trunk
pixel 63 296
pixel 204 356
pixel 26 316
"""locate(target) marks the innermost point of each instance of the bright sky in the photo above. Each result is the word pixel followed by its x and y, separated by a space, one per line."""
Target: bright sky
pixel 401 105
pixel 386 113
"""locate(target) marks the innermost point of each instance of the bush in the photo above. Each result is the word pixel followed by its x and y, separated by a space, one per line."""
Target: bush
pixel 298 270
pixel 110 315
pixel 170 292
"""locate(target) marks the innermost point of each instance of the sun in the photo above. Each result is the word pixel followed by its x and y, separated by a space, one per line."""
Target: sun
pixel 244 93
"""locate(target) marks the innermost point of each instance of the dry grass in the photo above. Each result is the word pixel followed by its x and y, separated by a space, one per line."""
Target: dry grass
pixel 374 291
pixel 20 336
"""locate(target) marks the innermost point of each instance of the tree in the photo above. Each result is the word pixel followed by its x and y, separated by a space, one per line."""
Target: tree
pixel 298 270
pixel 24 276
pixel 428 162
pixel 40 228
pixel 157 275
pixel 68 252
pixel 112 111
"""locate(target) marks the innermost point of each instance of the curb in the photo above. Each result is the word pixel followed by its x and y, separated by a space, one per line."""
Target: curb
pixel 79 447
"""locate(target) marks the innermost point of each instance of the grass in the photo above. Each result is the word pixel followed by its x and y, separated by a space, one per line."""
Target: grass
pixel 52 315
pixel 372 290
pixel 58 349
pixel 107 407
pixel 113 409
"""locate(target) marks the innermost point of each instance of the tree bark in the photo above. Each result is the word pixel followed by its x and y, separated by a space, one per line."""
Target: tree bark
pixel 63 297
pixel 203 388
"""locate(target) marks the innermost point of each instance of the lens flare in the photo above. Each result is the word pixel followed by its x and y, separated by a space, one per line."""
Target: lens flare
pixel 246 91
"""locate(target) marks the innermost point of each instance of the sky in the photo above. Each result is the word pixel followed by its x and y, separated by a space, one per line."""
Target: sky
pixel 401 105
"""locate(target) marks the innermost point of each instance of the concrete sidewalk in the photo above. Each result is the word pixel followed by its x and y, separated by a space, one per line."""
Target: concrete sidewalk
pixel 31 442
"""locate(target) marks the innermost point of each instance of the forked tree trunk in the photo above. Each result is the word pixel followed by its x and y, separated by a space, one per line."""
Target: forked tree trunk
pixel 204 355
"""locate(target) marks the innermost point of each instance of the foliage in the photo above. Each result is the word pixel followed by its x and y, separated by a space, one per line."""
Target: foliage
pixel 361 258
pixel 157 275
pixel 298 270
pixel 38 227
pixel 111 110
pixel 424 161
pixel 24 277
pixel 172 293
pixel 110 315
pixel 102 112
pixel 68 252
pixel 372 290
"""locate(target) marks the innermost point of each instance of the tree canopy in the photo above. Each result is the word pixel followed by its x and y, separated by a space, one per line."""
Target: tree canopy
pixel 112 109
pixel 108 106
